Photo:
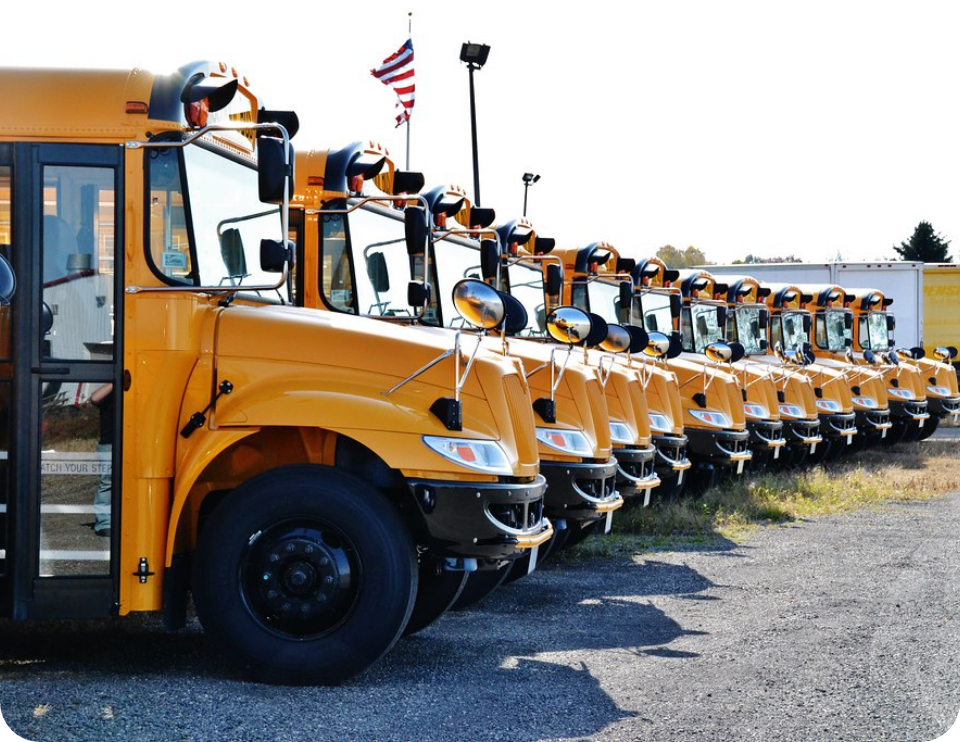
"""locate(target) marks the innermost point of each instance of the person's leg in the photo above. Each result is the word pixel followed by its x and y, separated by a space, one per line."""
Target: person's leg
pixel 103 499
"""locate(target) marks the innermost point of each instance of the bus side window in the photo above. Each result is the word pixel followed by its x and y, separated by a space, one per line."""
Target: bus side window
pixel 335 276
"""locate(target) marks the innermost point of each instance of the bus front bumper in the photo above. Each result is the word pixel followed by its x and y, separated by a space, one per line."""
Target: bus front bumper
pixel 636 473
pixel 483 520
pixel 729 448
pixel 581 491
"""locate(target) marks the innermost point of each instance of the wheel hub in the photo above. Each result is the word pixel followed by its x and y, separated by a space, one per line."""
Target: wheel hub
pixel 300 580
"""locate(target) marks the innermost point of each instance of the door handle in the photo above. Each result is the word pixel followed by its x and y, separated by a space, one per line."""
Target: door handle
pixel 51 371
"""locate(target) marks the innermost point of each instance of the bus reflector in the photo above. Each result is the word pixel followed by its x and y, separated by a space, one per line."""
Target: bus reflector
pixel 137 106
pixel 315 180
pixel 356 183
pixel 196 113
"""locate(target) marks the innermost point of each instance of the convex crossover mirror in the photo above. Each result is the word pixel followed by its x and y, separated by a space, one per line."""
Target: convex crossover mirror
pixel 569 325
pixel 479 304
pixel 8 283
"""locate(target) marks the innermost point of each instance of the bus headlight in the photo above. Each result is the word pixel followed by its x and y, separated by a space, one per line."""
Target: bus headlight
pixel 900 393
pixel 620 433
pixel 565 441
pixel 485 456
pixel 754 410
pixel 791 410
pixel 660 423
pixel 940 391
pixel 711 417
pixel 828 405
pixel 868 402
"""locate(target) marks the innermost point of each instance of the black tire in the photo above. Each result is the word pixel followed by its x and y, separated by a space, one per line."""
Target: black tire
pixel 437 590
pixel 520 568
pixel 823 450
pixel 479 585
pixel 304 574
pixel 577 535
pixel 930 426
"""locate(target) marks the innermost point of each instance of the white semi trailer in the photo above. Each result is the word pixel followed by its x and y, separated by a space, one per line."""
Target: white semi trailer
pixel 900 281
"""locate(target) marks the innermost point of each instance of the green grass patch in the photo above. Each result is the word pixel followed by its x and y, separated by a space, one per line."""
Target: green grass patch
pixel 909 472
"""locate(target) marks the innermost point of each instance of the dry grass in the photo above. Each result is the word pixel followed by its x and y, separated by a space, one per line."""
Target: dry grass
pixel 905 473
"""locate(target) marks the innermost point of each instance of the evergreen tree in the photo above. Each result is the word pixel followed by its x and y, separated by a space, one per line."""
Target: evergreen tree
pixel 925 246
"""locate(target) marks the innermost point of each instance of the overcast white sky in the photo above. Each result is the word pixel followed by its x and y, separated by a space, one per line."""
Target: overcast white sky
pixel 738 127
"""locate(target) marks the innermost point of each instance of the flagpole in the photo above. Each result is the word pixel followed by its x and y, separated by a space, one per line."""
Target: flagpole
pixel 410 36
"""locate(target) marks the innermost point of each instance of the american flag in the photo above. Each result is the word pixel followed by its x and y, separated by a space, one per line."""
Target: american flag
pixel 396 71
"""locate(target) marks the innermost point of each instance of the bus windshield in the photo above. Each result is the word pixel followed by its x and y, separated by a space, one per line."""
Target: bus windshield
pixel 526 285
pixel 700 326
pixel 605 300
pixel 364 264
pixel 216 241
pixel 831 330
pixel 657 316
pixel 455 260
pixel 743 326
pixel 789 331
pixel 873 331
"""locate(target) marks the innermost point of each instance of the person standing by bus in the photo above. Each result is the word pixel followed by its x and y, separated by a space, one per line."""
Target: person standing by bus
pixel 103 398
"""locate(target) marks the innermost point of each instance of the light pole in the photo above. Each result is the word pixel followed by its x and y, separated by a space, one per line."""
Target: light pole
pixel 474 56
pixel 528 180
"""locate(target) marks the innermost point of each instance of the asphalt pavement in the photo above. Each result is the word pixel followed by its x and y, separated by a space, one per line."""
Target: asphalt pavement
pixel 845 627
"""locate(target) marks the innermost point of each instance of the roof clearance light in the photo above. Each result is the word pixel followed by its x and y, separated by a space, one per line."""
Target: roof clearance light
pixel 137 106
pixel 196 113
pixel 440 220
pixel 356 184
pixel 315 180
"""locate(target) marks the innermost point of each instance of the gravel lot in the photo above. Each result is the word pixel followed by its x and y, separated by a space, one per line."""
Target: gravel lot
pixel 842 628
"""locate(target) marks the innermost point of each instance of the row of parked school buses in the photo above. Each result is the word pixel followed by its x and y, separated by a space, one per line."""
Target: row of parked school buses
pixel 331 404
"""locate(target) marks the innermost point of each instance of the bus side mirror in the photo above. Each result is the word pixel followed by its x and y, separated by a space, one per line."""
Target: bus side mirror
pixel 489 258
pixel 626 298
pixel 676 304
pixel 722 318
pixel 554 279
pixel 8 283
pixel 847 321
pixel 848 343
pixel 415 229
pixel 762 320
pixel 377 272
pixel 763 345
pixel 274 254
pixel 272 172
pixel 807 324
pixel 418 293
pixel 891 323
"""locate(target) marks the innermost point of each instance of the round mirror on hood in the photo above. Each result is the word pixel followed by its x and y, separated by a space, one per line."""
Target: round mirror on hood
pixel 945 354
pixel 891 358
pixel 479 304
pixel 516 314
pixel 639 339
pixel 918 352
pixel 658 345
pixel 618 339
pixel 718 352
pixel 8 281
pixel 738 351
pixel 598 330
pixel 869 356
pixel 568 325
pixel 676 344
pixel 778 352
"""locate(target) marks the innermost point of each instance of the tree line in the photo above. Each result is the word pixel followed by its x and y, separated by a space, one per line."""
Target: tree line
pixel 924 246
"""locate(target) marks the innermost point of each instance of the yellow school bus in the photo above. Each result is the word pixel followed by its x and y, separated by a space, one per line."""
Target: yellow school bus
pixel 748 318
pixel 180 425
pixel 712 402
pixel 835 313
pixel 851 401
pixel 354 261
pixel 873 336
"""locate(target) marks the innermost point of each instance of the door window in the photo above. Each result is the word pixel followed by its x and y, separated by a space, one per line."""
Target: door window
pixel 78 255
pixel 6 370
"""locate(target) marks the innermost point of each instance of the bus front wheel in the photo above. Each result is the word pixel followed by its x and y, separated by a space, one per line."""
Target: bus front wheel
pixel 304 575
